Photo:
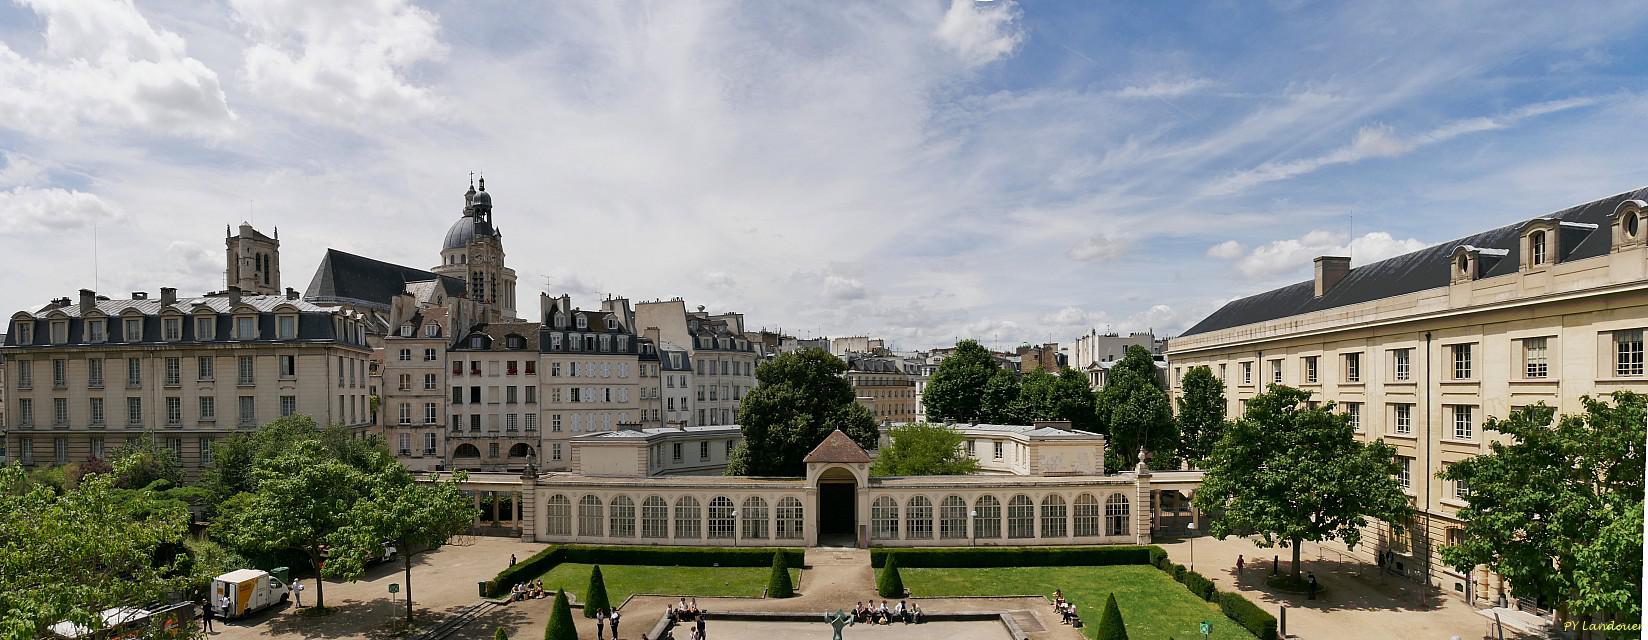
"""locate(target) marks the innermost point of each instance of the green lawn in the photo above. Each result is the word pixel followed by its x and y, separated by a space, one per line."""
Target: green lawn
pixel 622 580
pixel 1153 605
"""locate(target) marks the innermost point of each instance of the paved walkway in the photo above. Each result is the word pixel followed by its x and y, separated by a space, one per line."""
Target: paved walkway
pixel 1360 602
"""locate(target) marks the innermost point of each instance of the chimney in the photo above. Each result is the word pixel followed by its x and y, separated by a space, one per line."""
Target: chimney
pixel 88 301
pixel 140 295
pixel 168 295
pixel 234 296
pixel 1329 271
pixel 291 294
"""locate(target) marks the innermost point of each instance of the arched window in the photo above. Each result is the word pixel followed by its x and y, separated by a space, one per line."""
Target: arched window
pixel 466 450
pixel 1021 517
pixel 789 519
pixel 1115 516
pixel 918 523
pixel 622 518
pixel 884 519
pixel 1087 515
pixel 687 517
pixel 1536 248
pixel 721 516
pixel 987 517
pixel 1633 223
pixel 559 512
pixel 1053 517
pixel 520 450
pixel 754 518
pixel 589 517
pixel 952 518
pixel 654 518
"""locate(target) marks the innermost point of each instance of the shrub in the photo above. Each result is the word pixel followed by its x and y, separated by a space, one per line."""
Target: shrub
pixel 1199 585
pixel 778 586
pixel 1158 557
pixel 1243 612
pixel 1021 557
pixel 541 562
pixel 595 597
pixel 890 585
pixel 560 620
pixel 500 635
pixel 1178 572
pixel 1111 626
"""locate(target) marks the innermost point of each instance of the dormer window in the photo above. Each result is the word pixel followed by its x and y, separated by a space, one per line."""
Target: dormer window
pixel 171 329
pixel 406 330
pixel 205 328
pixel 583 321
pixel 431 330
pixel 612 324
pixel 246 328
pixel 96 331
pixel 1633 224
pixel 25 332
pixel 560 320
pixel 1464 265
pixel 1536 248
pixel 477 342
pixel 133 329
pixel 515 342
pixel 286 327
pixel 59 331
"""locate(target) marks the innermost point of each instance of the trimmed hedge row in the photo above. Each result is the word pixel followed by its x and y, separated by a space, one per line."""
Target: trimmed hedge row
pixel 1257 621
pixel 539 563
pixel 1018 556
pixel 1199 585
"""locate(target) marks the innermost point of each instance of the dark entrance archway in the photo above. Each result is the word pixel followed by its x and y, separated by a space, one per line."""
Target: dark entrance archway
pixel 837 509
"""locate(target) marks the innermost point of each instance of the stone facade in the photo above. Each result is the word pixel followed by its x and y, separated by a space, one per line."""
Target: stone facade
pixel 885 386
pixel 723 359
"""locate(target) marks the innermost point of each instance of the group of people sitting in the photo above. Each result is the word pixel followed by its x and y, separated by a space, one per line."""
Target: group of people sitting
pixel 882 614
pixel 1066 610
pixel 527 590
pixel 684 611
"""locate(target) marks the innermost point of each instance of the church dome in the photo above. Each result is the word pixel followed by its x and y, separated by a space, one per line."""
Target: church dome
pixel 465 230
pixel 482 198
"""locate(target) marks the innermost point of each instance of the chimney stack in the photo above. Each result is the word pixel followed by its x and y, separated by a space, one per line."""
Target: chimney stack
pixel 234 295
pixel 88 301
pixel 1329 271
pixel 140 295
pixel 168 296
pixel 291 294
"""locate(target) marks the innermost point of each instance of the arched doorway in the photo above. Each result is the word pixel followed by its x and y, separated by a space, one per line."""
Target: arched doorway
pixel 837 508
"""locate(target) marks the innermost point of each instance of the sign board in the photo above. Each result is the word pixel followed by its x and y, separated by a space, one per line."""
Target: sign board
pixel 1207 628
pixel 396 588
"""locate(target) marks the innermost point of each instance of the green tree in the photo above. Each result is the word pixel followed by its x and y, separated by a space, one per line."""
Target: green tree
pixel 923 449
pixel 595 596
pixel 560 625
pixel 1062 396
pixel 301 498
pixel 235 458
pixel 70 556
pixel 1290 473
pixel 778 585
pixel 499 634
pixel 801 398
pixel 890 584
pixel 1201 414
pixel 957 389
pixel 414 516
pixel 1002 402
pixel 142 462
pixel 1556 507
pixel 1111 626
pixel 1134 412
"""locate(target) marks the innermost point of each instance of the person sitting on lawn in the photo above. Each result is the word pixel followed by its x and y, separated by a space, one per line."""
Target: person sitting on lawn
pixel 1075 618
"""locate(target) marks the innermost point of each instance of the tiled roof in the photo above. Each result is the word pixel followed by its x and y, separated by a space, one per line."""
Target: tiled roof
pixel 346 277
pixel 1418 271
pixel 152 306
pixel 837 447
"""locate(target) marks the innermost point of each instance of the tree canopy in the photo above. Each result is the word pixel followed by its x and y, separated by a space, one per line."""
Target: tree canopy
pixel 415 516
pixel 1133 411
pixel 1201 413
pixel 801 398
pixel 1062 396
pixel 923 449
pixel 1290 473
pixel 1557 508
pixel 956 392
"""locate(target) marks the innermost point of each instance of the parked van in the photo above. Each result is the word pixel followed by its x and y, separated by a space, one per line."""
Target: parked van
pixel 249 590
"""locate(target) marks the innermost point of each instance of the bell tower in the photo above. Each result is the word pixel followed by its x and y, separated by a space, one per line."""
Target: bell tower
pixel 253 261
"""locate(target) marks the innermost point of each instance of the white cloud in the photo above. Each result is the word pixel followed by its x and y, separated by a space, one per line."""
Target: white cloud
pixel 843 288
pixel 1296 254
pixel 1227 250
pixel 1380 141
pixel 35 210
pixel 980 32
pixel 1165 88
pixel 105 66
pixel 1100 247
pixel 341 59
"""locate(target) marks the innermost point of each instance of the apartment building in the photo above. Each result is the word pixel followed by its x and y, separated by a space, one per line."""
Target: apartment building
pixel 1421 349
pixel 494 383
pixel 591 364
pixel 88 377
pixel 885 386
pixel 413 388
pixel 723 358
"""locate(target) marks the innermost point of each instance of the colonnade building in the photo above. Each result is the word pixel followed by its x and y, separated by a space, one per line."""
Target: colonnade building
pixel 1421 349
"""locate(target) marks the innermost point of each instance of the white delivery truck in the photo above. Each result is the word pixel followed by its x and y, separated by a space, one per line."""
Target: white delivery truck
pixel 238 593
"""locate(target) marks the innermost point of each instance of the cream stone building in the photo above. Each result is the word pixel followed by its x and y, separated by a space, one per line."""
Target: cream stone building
pixel 723 358
pixel 495 382
pixel 591 373
pixel 886 386
pixel 1420 350
pixel 87 377
pixel 413 387
pixel 657 451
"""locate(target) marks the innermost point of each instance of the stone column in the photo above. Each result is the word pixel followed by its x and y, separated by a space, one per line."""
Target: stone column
pixel 1145 498
pixel 529 507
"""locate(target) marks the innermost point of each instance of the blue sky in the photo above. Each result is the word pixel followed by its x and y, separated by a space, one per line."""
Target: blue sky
pixel 920 171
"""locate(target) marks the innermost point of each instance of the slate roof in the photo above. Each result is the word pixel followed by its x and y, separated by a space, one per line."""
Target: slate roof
pixel 348 278
pixel 497 331
pixel 153 306
pixel 654 432
pixel 1426 268
pixel 837 447
pixel 1023 429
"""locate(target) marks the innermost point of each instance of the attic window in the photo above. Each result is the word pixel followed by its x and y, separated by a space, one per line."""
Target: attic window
pixel 583 321
pixel 431 330
pixel 406 330
pixel 1633 224
pixel 1536 243
pixel 516 342
pixel 612 323
pixel 560 320
pixel 477 342
pixel 1464 264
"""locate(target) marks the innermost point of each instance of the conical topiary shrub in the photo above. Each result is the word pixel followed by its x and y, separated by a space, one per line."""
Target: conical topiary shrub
pixel 560 625
pixel 890 585
pixel 595 597
pixel 778 586
pixel 1110 622
pixel 500 635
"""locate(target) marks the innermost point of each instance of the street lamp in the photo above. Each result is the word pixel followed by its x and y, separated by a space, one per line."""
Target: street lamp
pixel 734 527
pixel 1192 527
pixel 972 528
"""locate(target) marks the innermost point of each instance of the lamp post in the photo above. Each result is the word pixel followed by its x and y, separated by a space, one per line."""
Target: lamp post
pixel 972 528
pixel 1192 527
pixel 735 527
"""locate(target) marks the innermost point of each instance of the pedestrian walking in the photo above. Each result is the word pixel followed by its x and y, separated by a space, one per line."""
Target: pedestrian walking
pixel 700 622
pixel 297 592
pixel 511 559
pixel 206 616
pixel 613 619
pixel 1312 580
pixel 600 622
pixel 1238 564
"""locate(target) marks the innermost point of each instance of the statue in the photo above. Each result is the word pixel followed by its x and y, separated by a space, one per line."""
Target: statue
pixel 837 621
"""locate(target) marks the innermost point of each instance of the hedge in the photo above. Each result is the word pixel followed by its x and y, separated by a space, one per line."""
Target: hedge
pixel 539 563
pixel 1257 621
pixel 1018 556
pixel 1199 585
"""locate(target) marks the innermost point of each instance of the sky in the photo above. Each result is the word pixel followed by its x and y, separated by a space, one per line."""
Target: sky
pixel 920 171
